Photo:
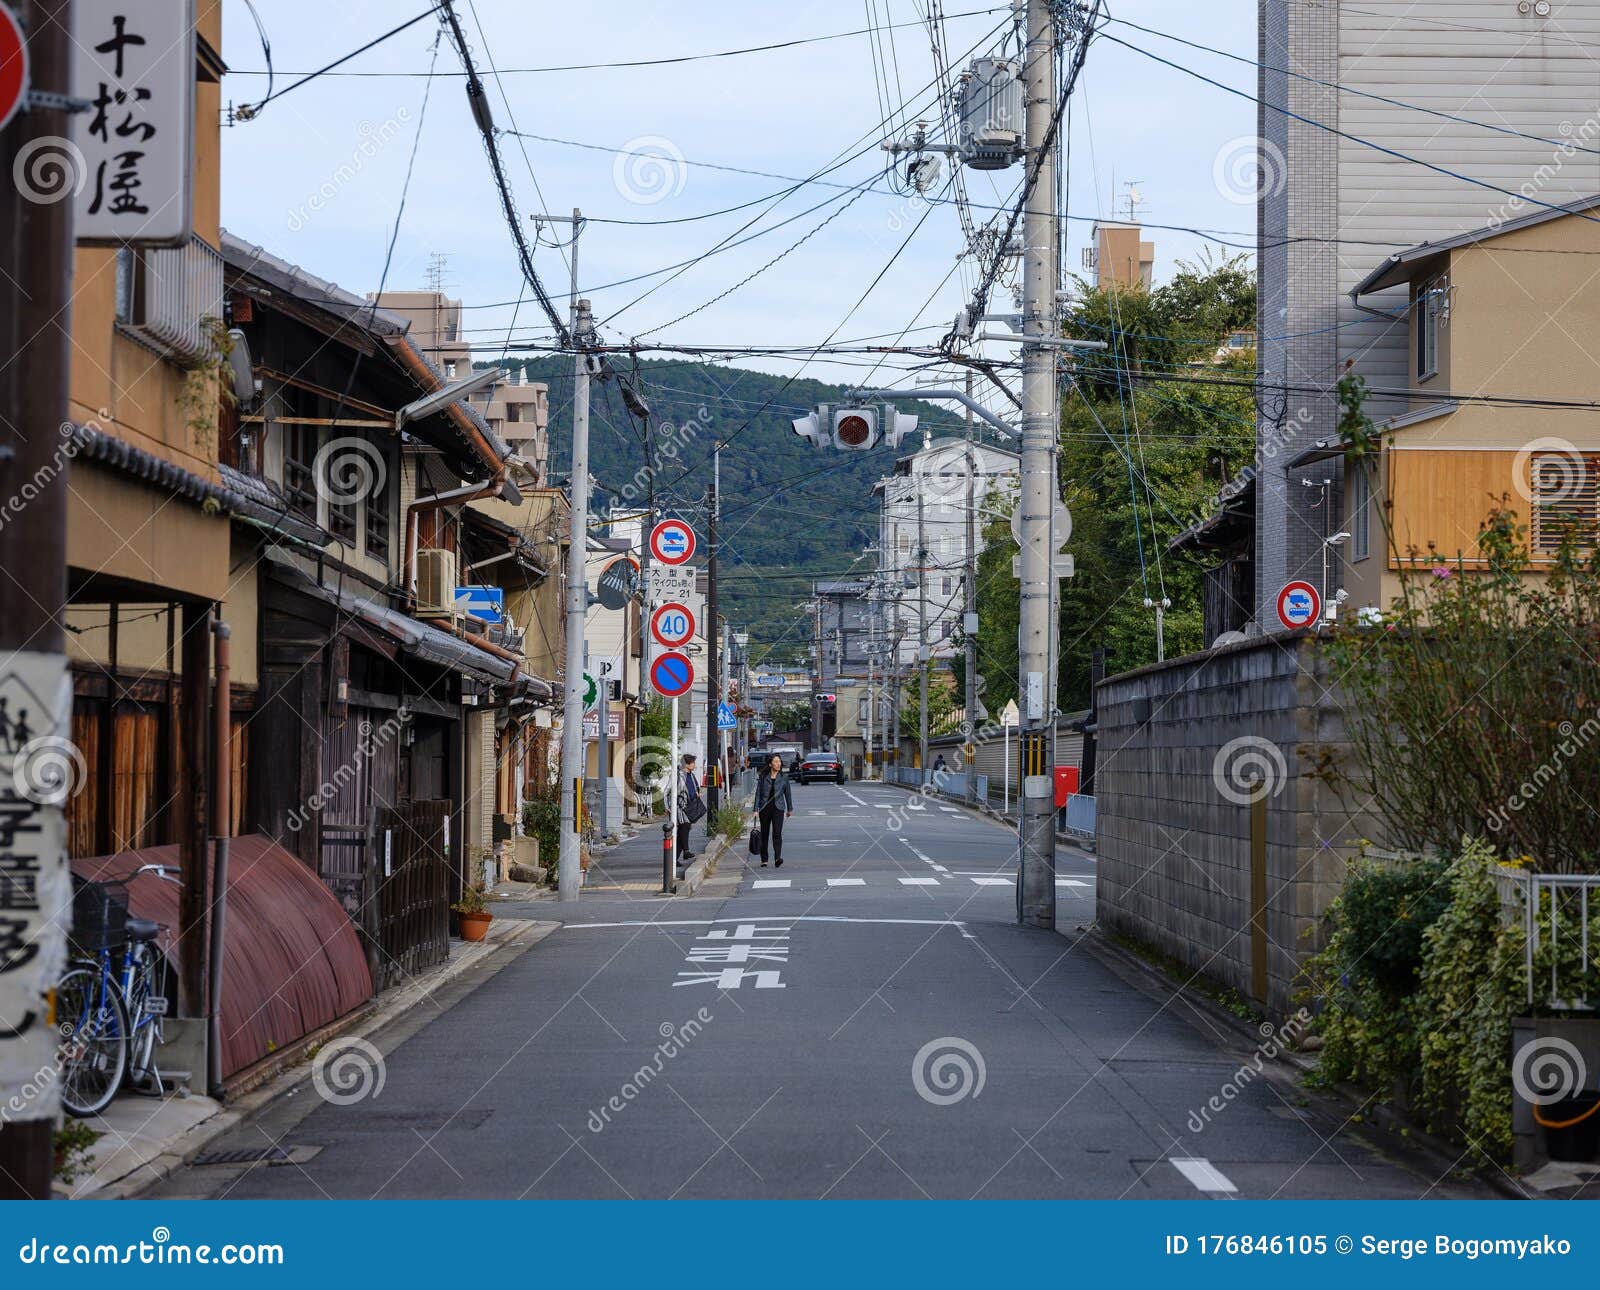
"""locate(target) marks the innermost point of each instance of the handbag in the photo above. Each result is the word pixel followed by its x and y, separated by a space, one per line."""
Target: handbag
pixel 755 839
pixel 694 810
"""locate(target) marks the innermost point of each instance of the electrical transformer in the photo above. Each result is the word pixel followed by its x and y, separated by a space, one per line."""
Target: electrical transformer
pixel 990 107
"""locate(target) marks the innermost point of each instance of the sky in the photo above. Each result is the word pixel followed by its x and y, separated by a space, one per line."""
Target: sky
pixel 317 177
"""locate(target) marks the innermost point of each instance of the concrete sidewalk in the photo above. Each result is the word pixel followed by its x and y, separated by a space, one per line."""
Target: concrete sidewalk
pixel 143 1139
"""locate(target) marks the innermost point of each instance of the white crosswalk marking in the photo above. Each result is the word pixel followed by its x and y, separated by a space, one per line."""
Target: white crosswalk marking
pixel 919 882
pixel 1072 882
pixel 1203 1174
pixel 770 882
pixel 992 882
pixel 847 882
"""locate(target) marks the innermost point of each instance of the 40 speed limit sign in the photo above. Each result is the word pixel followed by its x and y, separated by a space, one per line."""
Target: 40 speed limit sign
pixel 672 624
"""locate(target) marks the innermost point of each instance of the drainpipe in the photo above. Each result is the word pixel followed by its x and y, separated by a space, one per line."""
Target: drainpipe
pixel 222 817
pixel 470 493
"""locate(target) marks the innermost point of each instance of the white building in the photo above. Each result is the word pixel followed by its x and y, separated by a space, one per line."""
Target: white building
pixel 922 538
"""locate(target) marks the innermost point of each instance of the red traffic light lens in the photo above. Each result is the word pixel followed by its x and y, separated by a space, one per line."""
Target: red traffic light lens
pixel 854 430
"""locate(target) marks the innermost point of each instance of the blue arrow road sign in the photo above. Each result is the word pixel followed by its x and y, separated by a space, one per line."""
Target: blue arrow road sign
pixel 487 604
pixel 725 717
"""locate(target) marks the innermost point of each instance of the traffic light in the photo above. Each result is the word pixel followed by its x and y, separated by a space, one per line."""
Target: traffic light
pixel 855 428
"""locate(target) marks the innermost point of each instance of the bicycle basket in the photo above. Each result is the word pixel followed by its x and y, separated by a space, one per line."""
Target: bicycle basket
pixel 99 915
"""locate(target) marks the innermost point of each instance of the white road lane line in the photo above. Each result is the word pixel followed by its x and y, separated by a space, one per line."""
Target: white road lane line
pixel 770 882
pixel 1072 882
pixel 1203 1174
pixel 992 882
pixel 927 860
pixel 852 797
pixel 919 882
pixel 847 882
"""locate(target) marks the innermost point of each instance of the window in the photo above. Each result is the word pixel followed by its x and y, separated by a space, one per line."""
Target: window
pixel 1429 308
pixel 299 457
pixel 904 544
pixel 377 527
pixel 450 370
pixel 1566 497
pixel 946 585
pixel 513 413
pixel 1360 509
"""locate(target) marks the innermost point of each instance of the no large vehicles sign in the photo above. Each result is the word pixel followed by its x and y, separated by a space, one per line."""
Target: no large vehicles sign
pixel 672 542
pixel 1298 605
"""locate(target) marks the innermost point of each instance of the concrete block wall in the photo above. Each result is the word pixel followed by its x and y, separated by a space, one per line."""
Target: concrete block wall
pixel 1174 848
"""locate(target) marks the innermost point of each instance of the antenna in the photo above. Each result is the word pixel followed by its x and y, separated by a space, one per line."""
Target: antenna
pixel 438 263
pixel 1133 201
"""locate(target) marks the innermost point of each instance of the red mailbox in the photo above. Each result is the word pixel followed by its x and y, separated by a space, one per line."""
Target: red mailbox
pixel 1066 784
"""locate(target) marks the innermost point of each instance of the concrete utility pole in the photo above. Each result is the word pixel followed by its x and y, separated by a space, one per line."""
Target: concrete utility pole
pixel 1036 834
pixel 713 648
pixel 35 337
pixel 569 872
pixel 922 638
pixel 970 599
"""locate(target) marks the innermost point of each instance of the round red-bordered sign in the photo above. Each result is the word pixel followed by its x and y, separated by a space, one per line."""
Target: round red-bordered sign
pixel 13 65
pixel 672 624
pixel 1299 605
pixel 672 542
pixel 672 674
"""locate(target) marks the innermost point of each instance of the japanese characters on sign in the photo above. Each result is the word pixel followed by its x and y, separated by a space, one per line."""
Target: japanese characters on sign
pixel 135 67
pixel 35 700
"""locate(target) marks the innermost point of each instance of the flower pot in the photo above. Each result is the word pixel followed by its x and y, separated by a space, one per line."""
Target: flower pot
pixel 474 927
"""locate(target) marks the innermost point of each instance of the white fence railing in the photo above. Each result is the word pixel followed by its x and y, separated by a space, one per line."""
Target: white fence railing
pixel 1554 909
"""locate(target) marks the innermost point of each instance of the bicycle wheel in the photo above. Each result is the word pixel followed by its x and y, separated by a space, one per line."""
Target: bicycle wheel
pixel 144 1027
pixel 94 1040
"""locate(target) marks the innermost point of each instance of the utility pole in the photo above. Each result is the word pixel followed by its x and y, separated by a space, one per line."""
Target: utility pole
pixel 35 336
pixel 569 872
pixel 1036 893
pixel 922 639
pixel 713 644
pixel 970 600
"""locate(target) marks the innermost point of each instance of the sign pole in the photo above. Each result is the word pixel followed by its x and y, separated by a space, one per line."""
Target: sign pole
pixel 37 777
pixel 669 844
pixel 603 769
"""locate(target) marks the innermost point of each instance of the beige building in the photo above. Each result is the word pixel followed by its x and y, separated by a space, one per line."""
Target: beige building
pixel 1119 256
pixel 518 411
pixel 1500 310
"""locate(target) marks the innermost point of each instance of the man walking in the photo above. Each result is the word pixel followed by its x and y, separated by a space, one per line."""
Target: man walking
pixel 691 807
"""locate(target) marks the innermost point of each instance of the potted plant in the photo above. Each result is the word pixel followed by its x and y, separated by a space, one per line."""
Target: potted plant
pixel 472 912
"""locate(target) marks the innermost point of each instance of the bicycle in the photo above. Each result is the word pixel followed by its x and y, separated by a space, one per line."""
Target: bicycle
pixel 111 1023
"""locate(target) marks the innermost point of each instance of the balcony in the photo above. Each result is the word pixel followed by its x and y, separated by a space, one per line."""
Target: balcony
pixel 165 297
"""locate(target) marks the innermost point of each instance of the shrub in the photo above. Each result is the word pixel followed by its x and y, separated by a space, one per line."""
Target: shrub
pixel 728 822
pixel 541 818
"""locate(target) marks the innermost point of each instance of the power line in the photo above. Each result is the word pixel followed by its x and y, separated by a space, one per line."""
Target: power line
pixel 478 100
pixel 250 111
pixel 625 63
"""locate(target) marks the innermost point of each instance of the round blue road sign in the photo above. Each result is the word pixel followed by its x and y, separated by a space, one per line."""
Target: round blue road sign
pixel 671 674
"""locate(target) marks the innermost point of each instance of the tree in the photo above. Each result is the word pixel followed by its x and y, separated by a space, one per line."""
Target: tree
pixel 1143 453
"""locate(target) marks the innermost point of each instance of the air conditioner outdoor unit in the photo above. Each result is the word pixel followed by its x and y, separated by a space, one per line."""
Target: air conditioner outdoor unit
pixel 436 581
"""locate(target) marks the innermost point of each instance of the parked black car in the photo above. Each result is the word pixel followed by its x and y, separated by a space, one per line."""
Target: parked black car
pixel 817 766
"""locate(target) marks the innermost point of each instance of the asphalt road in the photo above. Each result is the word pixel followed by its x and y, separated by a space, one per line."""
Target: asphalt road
pixel 866 1022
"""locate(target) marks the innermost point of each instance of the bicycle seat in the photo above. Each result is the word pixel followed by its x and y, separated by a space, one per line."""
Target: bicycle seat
pixel 142 929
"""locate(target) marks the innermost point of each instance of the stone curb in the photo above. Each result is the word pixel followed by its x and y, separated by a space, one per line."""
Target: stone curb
pixel 705 864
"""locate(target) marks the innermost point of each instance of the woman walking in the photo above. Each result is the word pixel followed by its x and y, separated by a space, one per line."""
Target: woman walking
pixel 774 804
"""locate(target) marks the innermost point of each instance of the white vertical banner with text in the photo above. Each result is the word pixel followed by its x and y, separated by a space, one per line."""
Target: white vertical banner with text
pixel 39 770
pixel 136 68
